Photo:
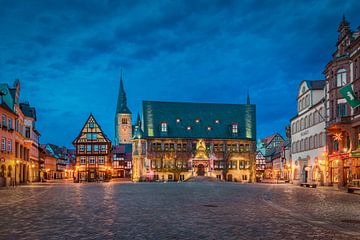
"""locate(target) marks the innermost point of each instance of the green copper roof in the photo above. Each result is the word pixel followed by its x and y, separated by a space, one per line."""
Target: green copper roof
pixel 199 120
pixel 122 101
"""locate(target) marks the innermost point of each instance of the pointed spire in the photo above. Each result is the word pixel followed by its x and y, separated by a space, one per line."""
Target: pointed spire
pixel 122 101
pixel 138 121
pixel 344 24
pixel 248 98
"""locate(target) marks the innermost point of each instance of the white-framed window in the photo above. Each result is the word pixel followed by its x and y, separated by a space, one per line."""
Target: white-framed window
pixel 91 136
pixel 10 123
pixel 88 148
pixel 3 144
pixel 96 148
pixel 4 120
pixel 164 127
pixel 9 145
pixel 235 128
pixel 91 160
pixel 341 78
pixel 81 148
pixel 82 160
pixel 103 148
pixel 101 160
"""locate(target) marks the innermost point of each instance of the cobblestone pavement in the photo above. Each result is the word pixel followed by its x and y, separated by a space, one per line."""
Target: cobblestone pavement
pixel 213 210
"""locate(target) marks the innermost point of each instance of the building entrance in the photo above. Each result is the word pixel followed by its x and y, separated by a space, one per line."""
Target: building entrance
pixel 201 170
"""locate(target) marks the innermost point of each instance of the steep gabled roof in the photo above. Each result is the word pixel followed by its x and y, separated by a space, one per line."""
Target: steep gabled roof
pixel 91 127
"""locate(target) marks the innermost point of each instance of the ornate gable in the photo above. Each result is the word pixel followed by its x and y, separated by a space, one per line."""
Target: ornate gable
pixel 91 132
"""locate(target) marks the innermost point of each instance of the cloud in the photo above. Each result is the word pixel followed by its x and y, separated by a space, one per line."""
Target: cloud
pixel 68 54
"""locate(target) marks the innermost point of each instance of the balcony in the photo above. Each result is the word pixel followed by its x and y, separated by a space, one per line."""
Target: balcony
pixel 339 120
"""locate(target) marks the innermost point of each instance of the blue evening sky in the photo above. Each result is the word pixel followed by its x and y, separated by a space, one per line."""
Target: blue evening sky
pixel 68 55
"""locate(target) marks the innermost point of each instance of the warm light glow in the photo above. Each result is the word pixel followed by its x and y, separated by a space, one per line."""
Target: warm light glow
pixel 33 166
pixel 17 161
pixel 324 154
pixel 337 137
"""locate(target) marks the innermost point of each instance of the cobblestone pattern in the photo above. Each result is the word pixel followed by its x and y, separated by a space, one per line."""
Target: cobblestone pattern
pixel 176 211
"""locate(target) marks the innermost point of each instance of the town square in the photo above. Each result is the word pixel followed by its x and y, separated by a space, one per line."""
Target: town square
pixel 180 119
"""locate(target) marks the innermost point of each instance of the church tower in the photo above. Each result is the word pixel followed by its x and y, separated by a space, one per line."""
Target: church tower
pixel 123 123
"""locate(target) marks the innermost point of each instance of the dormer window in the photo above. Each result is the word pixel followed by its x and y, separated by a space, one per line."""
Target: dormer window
pixel 178 120
pixel 217 121
pixel 234 128
pixel 209 128
pixel 188 128
pixel 197 120
pixel 164 127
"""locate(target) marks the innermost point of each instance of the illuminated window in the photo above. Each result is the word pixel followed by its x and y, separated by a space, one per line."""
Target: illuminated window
pixel 188 128
pixel 96 148
pixel 83 160
pixel 163 127
pixel 124 121
pixel 103 148
pixel 197 120
pixel 3 144
pixel 101 160
pixel 9 145
pixel 91 125
pixel 217 121
pixel 81 148
pixel 88 148
pixel 92 160
pixel 235 128
pixel 178 120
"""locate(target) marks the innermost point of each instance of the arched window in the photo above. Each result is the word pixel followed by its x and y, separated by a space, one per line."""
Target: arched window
pixel 306 147
pixel 320 140
pixel 311 119
pixel 297 126
pixel 341 77
pixel 293 130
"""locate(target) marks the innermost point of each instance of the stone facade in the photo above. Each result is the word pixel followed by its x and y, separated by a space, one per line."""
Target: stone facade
pixel 177 141
pixel 308 134
pixel 343 126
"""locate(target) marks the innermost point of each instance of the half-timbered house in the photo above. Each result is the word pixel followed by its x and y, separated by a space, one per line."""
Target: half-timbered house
pixel 93 153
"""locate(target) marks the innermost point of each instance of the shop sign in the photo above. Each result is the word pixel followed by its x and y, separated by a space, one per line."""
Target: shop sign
pixel 304 133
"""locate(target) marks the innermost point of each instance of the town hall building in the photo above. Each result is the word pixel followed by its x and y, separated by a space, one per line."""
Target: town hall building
pixel 177 140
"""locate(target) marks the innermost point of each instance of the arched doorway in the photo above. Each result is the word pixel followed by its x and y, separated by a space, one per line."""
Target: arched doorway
pixel 201 170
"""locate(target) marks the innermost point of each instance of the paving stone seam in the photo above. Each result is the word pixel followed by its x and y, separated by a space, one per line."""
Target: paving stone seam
pixel 320 223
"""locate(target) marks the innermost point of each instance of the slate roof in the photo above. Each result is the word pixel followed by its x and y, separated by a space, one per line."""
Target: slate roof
pixel 316 84
pixel 155 113
pixel 27 110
